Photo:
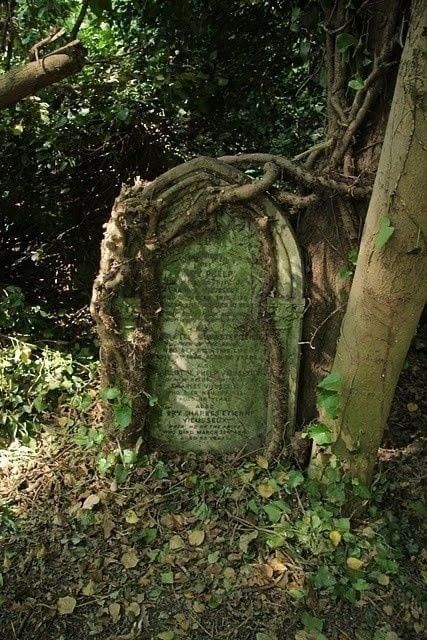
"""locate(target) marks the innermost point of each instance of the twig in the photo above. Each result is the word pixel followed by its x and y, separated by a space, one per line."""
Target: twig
pixel 80 18
pixel 325 144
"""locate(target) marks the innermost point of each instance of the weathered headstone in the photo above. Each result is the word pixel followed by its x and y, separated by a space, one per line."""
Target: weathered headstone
pixel 199 311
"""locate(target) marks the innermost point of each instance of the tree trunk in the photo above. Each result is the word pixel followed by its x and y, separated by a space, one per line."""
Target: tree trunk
pixel 388 292
pixel 331 229
pixel 30 78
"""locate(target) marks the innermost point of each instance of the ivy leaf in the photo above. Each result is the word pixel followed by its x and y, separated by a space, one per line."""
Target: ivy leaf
pixel 344 41
pixel 311 623
pixel 273 512
pixel 123 415
pixel 320 433
pixel 331 382
pixel 109 393
pixel 384 234
pixel 323 578
pixel 295 478
pixel 330 402
pixel 356 83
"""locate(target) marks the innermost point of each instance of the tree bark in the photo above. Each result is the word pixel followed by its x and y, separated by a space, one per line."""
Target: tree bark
pixel 28 79
pixel 388 291
pixel 330 229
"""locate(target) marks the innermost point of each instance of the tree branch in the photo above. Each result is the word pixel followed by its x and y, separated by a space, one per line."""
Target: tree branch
pixel 295 200
pixel 300 175
pixel 28 79
pixel 80 18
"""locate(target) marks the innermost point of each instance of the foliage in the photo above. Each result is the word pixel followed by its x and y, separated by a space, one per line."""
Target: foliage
pixel 160 85
pixel 35 381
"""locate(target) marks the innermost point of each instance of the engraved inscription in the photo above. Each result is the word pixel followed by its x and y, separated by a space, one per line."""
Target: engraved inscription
pixel 209 378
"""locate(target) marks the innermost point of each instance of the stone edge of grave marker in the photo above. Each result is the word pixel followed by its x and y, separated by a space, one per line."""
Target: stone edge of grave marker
pixel 290 281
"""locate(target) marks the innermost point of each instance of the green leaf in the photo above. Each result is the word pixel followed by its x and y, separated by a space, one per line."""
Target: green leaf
pixel 344 41
pixel 361 585
pixel 120 474
pixel 253 506
pixel 356 83
pixel 311 623
pixel 295 478
pixel 149 534
pixel 331 382
pixel 330 402
pixel 342 525
pixel 323 578
pixel 352 256
pixel 320 433
pixel 167 577
pixel 274 514
pixel 17 129
pixel 384 234
pixel 213 557
pixel 345 273
pixel 122 415
pixel 109 393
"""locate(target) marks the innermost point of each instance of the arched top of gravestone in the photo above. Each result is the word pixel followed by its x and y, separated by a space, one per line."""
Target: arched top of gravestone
pixel 187 180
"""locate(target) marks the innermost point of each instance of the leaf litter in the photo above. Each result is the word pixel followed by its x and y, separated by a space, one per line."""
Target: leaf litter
pixel 185 547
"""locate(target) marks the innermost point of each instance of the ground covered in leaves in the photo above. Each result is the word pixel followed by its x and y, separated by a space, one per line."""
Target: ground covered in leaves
pixel 114 544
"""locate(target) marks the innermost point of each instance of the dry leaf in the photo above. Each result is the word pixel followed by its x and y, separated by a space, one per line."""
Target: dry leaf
pixel 131 517
pixel 114 610
pixel 172 520
pixel 276 565
pixel 262 462
pixel 246 539
pixel 229 574
pixel 89 588
pixel 182 621
pixel 66 605
pixel 176 542
pixel 383 579
pixel 247 477
pixel 266 489
pixel 108 525
pixel 335 537
pixel 129 559
pixel 198 607
pixel 90 501
pixel 133 609
pixel 196 537
pixel 354 563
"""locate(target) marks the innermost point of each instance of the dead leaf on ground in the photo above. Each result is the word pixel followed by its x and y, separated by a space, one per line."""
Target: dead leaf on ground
pixel 196 537
pixel 114 609
pixel 66 605
pixel 129 559
pixel 90 501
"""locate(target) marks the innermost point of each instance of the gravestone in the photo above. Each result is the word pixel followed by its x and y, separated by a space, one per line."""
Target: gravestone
pixel 200 326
